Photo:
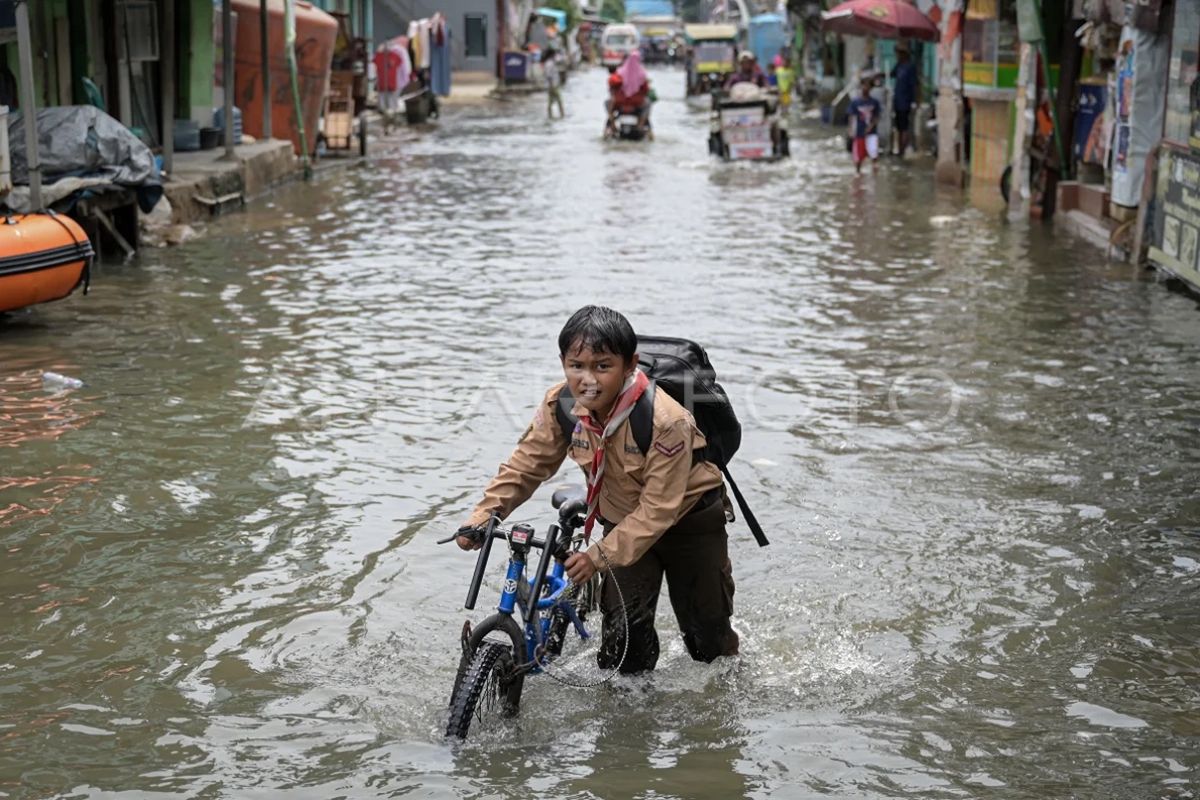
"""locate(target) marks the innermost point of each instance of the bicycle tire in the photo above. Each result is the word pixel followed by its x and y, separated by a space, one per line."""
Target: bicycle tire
pixel 488 680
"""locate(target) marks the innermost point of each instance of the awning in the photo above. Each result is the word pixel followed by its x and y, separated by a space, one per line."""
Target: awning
pixel 699 32
pixel 558 16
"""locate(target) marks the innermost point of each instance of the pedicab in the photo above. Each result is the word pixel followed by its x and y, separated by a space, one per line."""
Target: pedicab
pixel 746 125
pixel 712 58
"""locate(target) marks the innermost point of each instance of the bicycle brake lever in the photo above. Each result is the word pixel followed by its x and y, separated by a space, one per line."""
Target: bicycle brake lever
pixel 448 539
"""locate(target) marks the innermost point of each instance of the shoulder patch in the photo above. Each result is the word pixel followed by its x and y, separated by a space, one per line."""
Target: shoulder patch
pixel 581 444
pixel 668 451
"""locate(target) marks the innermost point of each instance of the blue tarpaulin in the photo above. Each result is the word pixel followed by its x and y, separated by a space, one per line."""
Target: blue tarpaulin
pixel 648 8
pixel 767 35
pixel 558 16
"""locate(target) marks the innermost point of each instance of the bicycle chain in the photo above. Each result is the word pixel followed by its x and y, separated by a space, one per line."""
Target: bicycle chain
pixel 545 665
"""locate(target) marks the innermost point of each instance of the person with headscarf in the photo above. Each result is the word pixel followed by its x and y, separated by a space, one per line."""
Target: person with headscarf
pixel 631 91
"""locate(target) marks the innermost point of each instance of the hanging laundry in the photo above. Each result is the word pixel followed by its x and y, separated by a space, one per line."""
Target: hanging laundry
pixel 399 45
pixel 439 55
pixel 418 35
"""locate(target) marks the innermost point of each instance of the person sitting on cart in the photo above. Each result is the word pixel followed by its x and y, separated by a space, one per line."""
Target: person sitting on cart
pixel 748 71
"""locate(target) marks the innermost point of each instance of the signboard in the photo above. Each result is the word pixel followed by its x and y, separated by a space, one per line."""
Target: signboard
pixel 1194 107
pixel 749 141
pixel 1175 244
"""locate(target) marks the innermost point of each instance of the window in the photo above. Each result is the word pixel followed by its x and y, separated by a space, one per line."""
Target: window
pixel 475 26
pixel 989 44
pixel 141 30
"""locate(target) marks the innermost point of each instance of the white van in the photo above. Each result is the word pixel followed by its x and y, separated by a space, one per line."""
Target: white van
pixel 616 42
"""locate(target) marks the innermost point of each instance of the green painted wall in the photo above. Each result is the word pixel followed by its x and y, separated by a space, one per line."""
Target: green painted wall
pixel 197 60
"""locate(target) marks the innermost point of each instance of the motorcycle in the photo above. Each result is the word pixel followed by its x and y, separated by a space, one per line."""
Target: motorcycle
pixel 627 127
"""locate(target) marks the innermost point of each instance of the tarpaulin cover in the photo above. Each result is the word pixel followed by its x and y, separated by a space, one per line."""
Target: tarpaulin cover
pixel 84 142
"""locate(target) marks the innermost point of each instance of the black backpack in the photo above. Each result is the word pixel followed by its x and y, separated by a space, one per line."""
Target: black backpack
pixel 681 368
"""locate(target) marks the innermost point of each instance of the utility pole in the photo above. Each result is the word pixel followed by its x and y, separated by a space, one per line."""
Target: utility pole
pixel 227 73
pixel 168 85
pixel 29 105
pixel 264 46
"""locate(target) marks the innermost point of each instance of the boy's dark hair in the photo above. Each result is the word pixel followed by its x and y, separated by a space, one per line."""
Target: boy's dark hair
pixel 600 330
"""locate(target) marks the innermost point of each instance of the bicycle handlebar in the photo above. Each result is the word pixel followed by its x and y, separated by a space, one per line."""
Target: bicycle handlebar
pixel 496 534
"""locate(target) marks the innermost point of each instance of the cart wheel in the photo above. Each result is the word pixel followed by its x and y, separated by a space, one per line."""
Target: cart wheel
pixel 362 134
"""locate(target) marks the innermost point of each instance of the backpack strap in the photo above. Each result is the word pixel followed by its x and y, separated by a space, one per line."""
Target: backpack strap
pixel 641 419
pixel 747 514
pixel 562 412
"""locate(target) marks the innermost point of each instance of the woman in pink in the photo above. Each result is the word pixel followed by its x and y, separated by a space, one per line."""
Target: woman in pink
pixel 633 97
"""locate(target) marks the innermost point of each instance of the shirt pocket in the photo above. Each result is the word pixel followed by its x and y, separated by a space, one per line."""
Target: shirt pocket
pixel 633 462
pixel 580 450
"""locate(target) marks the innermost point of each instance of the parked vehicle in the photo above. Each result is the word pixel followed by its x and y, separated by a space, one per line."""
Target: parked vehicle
pixel 43 257
pixel 616 42
pixel 746 125
pixel 712 56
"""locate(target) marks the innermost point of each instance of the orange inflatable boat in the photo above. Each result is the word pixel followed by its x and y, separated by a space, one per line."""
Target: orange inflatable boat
pixel 43 257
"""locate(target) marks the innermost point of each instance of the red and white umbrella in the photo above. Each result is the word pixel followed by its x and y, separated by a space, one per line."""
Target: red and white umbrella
pixel 886 19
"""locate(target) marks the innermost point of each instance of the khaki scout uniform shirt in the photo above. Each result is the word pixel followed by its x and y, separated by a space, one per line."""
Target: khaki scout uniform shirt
pixel 643 495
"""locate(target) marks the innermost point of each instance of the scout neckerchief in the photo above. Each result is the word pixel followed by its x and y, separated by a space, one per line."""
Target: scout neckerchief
pixel 634 386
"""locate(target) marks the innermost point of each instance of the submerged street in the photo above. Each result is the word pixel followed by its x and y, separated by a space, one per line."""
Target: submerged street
pixel 972 444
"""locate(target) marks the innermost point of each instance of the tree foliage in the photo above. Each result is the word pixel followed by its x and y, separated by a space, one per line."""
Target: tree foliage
pixel 613 9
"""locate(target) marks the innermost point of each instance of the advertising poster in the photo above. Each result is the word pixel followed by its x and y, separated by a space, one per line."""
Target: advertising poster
pixel 1175 242
pixel 1088 142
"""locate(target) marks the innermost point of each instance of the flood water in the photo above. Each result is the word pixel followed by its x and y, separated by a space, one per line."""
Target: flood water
pixel 973 445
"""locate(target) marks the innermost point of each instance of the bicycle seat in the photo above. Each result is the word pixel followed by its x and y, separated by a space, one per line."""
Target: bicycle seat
pixel 565 494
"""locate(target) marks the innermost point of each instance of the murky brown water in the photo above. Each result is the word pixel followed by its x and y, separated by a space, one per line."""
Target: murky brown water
pixel 974 446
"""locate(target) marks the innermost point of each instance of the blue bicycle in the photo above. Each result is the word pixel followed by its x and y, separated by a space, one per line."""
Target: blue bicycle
pixel 498 653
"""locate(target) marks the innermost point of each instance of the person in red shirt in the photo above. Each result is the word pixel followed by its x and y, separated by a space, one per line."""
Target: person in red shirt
pixel 629 91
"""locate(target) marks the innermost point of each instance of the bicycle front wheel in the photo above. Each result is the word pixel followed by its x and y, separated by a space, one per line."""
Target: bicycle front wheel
pixel 488 688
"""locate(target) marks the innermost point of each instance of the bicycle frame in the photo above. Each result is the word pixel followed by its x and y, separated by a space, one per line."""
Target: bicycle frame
pixel 533 635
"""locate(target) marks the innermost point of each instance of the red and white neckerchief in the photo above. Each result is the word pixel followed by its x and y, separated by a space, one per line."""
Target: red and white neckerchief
pixel 634 386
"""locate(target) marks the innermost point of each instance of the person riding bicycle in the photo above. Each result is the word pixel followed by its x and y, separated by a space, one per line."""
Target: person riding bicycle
pixel 748 71
pixel 662 512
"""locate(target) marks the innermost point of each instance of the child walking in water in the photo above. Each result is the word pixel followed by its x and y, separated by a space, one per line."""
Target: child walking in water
pixel 553 80
pixel 864 113
pixel 661 511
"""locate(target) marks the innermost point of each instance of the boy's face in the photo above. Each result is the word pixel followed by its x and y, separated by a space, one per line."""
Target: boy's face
pixel 596 378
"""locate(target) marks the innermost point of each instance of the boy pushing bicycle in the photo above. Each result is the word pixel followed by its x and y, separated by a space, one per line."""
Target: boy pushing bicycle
pixel 662 511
